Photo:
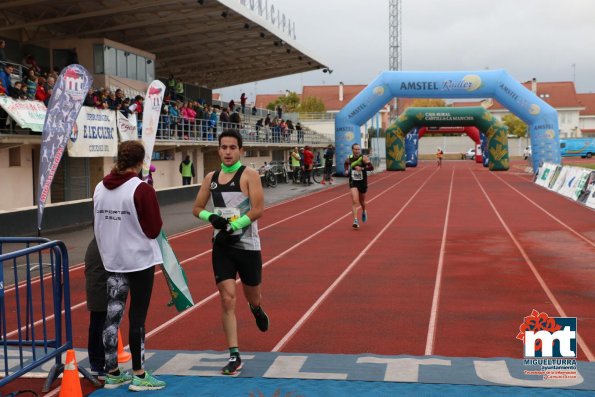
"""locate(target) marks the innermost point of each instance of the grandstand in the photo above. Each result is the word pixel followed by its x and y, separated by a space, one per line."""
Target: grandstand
pixel 205 45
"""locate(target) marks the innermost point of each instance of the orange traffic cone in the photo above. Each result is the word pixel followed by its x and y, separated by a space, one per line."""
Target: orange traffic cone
pixel 123 355
pixel 71 384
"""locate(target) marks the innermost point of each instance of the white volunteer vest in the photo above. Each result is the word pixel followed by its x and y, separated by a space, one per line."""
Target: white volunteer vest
pixel 123 245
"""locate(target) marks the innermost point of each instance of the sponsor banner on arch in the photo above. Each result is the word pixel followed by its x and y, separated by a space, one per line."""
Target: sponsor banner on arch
pixel 94 134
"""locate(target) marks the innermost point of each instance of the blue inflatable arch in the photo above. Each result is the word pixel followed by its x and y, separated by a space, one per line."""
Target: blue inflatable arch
pixel 541 118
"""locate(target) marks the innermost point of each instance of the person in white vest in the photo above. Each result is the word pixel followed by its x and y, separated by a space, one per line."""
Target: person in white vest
pixel 127 221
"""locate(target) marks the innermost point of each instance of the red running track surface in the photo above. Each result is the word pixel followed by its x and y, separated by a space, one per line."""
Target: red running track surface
pixel 449 263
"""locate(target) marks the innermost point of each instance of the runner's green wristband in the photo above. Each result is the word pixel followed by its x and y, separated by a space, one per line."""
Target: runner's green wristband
pixel 204 215
pixel 241 223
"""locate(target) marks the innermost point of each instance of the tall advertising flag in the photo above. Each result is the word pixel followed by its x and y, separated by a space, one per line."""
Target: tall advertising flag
pixel 151 112
pixel 64 106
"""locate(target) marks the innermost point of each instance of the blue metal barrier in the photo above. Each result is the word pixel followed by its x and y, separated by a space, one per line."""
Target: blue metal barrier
pixel 35 318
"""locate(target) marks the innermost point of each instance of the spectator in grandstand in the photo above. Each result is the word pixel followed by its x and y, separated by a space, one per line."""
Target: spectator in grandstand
pixel 243 99
pixel 188 116
pixel 31 82
pixel 213 120
pixel 119 98
pixel 300 132
pixel 5 78
pixel 290 127
pixel 275 130
pixel 96 291
pixel 2 90
pixel 2 54
pixel 30 63
pixel 235 119
pixel 137 107
pixel 171 87
pixel 179 90
pixel 231 105
pixel 49 84
pixel 279 110
pixel 17 91
pixel 40 94
pixel 258 126
pixel 187 171
pixel 24 91
pixel 224 117
pixel 124 109
pixel 90 98
pixel 254 110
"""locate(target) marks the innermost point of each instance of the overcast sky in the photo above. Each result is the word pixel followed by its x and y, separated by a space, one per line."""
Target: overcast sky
pixel 528 38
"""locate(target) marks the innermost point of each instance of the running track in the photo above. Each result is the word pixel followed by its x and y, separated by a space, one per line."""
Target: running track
pixel 449 263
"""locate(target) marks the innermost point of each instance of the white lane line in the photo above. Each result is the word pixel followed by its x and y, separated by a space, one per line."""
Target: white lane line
pixel 338 280
pixel 79 305
pixel 570 229
pixel 81 266
pixel 534 270
pixel 436 297
pixel 188 311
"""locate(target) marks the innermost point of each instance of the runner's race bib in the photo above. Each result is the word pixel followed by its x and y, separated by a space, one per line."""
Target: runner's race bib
pixel 357 175
pixel 229 213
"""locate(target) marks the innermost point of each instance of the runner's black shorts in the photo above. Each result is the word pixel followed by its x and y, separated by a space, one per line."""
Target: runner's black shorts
pixel 229 262
pixel 361 187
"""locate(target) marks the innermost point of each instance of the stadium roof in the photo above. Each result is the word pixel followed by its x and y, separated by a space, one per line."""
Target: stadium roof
pixel 212 43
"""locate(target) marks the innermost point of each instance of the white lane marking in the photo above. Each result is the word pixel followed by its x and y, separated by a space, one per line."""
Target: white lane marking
pixel 436 297
pixel 534 270
pixel 338 280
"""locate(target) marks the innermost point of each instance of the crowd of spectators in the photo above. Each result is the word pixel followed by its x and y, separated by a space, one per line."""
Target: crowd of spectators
pixel 181 118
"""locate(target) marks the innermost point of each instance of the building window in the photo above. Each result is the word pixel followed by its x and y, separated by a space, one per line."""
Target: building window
pixel 14 157
pixel 98 67
pixel 110 60
pixel 251 153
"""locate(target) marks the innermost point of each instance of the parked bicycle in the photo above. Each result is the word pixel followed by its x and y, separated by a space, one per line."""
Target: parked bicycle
pixel 278 168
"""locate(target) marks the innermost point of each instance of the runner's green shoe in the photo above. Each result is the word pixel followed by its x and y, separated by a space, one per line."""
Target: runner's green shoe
pixel 233 365
pixel 113 381
pixel 149 382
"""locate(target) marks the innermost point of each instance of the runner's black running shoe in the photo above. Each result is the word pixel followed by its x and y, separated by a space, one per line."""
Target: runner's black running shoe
pixel 355 224
pixel 234 365
pixel 262 320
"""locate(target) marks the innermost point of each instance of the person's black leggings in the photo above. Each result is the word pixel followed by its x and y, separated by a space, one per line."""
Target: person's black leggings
pixel 140 285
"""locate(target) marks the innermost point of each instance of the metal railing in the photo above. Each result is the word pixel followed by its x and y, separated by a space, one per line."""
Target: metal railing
pixel 35 312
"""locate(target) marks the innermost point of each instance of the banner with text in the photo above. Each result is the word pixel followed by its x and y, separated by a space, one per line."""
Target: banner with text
pixel 27 114
pixel 151 113
pixel 94 134
pixel 127 126
pixel 65 103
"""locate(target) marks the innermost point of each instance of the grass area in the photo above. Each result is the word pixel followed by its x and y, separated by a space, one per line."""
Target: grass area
pixel 591 166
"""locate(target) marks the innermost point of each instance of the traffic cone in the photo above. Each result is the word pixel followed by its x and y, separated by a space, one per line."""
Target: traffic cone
pixel 71 384
pixel 123 355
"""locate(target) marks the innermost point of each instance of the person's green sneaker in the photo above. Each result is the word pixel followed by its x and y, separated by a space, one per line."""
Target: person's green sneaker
pixel 112 381
pixel 149 382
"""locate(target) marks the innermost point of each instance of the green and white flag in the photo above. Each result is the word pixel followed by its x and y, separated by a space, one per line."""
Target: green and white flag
pixel 174 275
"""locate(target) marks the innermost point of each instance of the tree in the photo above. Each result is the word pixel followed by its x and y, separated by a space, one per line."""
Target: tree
pixel 289 102
pixel 311 104
pixel 428 103
pixel 515 125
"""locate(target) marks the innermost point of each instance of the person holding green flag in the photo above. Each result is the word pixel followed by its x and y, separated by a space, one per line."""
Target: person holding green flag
pixel 238 202
pixel 187 171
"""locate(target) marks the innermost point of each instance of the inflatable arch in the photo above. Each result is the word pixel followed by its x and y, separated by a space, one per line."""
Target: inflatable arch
pixel 541 118
pixel 496 133
pixel 413 137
